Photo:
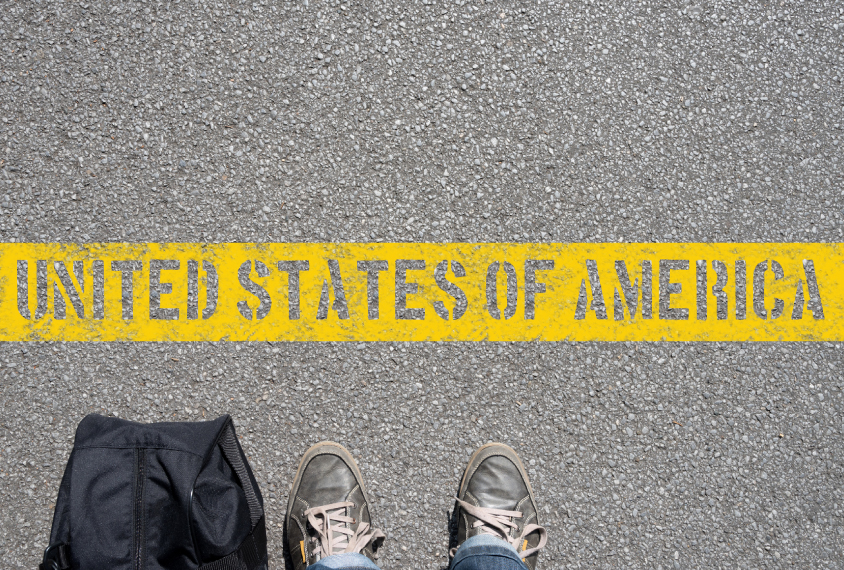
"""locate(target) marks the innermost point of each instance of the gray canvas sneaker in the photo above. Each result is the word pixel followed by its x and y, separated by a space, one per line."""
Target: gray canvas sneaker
pixel 328 512
pixel 495 498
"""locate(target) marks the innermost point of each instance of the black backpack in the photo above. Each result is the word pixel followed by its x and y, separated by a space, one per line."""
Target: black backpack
pixel 165 496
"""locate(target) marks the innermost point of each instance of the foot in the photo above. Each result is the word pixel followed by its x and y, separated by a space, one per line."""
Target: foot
pixel 495 498
pixel 328 512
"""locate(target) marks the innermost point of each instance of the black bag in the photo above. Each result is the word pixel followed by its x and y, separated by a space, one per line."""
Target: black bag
pixel 165 496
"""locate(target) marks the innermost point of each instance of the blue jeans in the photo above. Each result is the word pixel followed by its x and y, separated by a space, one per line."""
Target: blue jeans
pixel 481 552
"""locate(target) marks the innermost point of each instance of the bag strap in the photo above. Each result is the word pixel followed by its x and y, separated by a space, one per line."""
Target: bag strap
pixel 55 558
pixel 248 556
pixel 231 450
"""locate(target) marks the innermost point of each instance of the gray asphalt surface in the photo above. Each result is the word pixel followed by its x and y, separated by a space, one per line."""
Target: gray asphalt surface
pixel 432 121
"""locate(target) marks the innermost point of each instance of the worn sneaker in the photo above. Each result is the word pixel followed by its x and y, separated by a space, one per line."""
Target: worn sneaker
pixel 328 512
pixel 495 498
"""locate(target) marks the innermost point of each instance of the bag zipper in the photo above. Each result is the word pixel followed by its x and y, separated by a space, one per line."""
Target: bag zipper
pixel 140 476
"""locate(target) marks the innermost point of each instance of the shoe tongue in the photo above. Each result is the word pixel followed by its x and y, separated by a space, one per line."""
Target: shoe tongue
pixel 337 535
pixel 498 484
pixel 334 535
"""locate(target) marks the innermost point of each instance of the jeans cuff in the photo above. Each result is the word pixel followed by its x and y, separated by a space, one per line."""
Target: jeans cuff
pixel 485 545
pixel 344 561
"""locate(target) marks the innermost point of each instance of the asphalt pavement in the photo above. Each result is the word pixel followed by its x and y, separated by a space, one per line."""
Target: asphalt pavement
pixel 418 121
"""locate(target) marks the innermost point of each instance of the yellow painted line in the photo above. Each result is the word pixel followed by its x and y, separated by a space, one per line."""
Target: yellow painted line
pixel 425 292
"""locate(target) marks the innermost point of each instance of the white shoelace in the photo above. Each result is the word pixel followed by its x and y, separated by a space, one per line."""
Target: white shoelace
pixel 334 535
pixel 499 522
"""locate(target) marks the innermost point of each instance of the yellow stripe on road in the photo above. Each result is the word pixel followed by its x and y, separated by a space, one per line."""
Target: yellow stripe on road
pixel 421 292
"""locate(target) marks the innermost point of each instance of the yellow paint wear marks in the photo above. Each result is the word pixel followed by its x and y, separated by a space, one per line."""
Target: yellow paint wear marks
pixel 554 316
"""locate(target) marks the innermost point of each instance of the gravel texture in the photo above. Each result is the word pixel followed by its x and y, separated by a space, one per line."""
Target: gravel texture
pixel 433 121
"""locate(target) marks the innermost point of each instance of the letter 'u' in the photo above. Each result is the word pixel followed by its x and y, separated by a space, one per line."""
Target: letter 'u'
pixel 40 289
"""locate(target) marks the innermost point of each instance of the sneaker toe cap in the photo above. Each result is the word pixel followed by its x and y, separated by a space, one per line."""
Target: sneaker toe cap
pixel 498 483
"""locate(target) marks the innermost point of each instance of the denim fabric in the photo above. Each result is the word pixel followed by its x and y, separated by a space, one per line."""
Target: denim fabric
pixel 345 561
pixel 481 552
pixel 486 552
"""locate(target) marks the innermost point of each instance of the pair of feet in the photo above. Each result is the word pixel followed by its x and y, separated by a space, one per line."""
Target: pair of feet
pixel 328 510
